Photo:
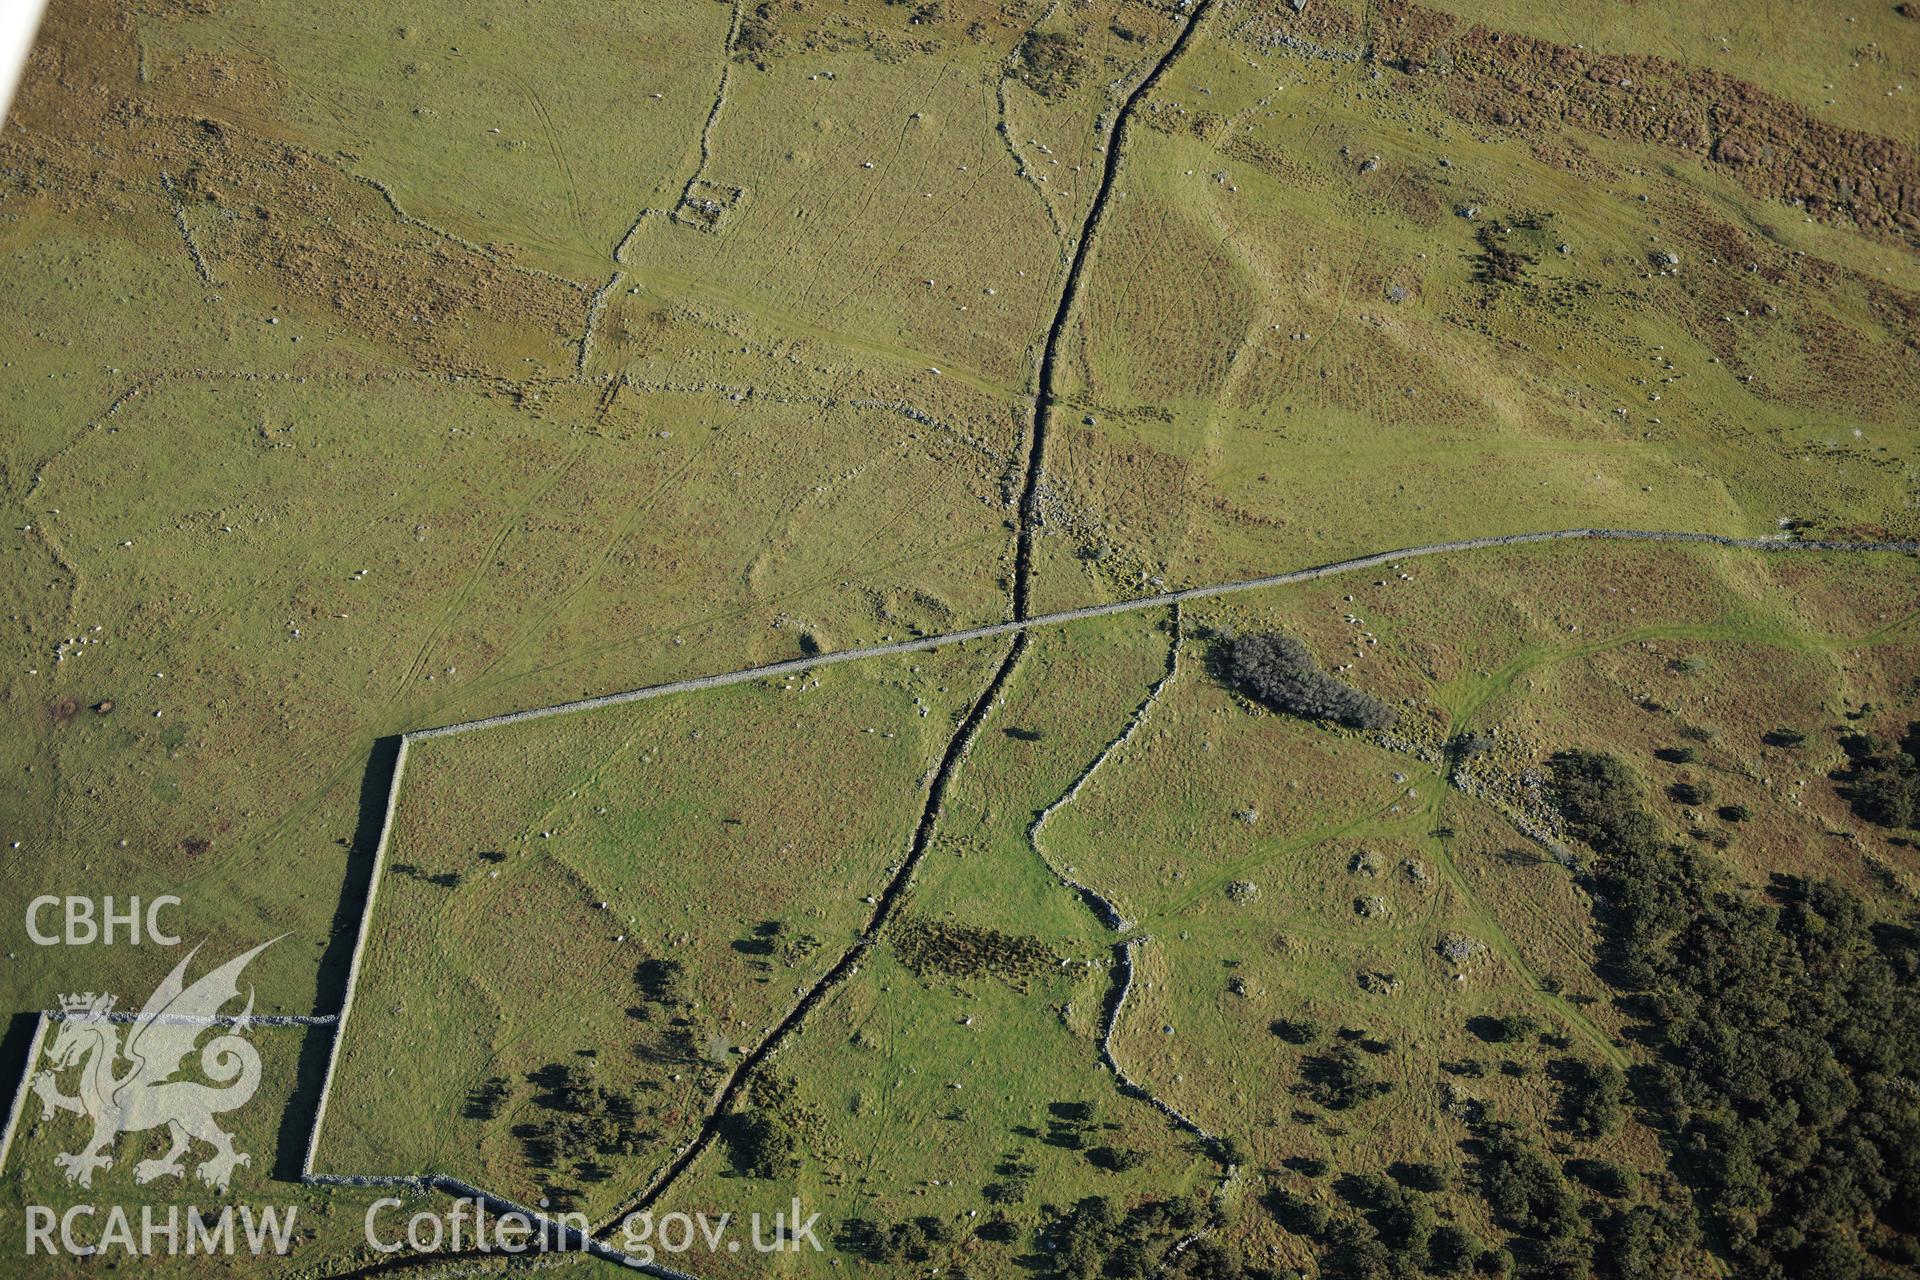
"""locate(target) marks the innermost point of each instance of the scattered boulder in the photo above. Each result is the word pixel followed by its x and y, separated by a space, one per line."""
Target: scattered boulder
pixel 1377 982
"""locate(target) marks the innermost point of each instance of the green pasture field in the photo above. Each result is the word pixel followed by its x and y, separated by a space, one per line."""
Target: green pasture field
pixel 642 892
pixel 476 138
pixel 1244 912
pixel 923 1085
pixel 1571 649
pixel 1240 848
pixel 258 635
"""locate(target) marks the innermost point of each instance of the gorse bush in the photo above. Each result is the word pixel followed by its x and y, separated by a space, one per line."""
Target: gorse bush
pixel 1600 800
pixel 1049 62
pixel 1594 1100
pixel 767 1138
pixel 1093 1238
pixel 1884 781
pixel 1282 672
pixel 1340 1080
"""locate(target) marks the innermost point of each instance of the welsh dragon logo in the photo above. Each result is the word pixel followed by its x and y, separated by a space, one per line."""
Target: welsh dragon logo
pixel 130 1088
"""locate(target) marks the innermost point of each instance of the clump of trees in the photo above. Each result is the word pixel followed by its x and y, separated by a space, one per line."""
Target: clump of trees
pixel 765 1140
pixel 1341 1079
pixel 1116 1159
pixel 1508 1028
pixel 677 1034
pixel 1593 1098
pixel 1604 1176
pixel 582 1123
pixel 1641 1241
pixel 1789 1071
pixel 1525 1189
pixel 1557 1235
pixel 484 1099
pixel 1402 1216
pixel 1883 782
pixel 1395 1235
pixel 1301 1214
pixel 1014 1182
pixel 911 1240
pixel 1071 1124
pixel 1092 1239
pixel 1787 1035
pixel 1282 672
pixel 1687 792
pixel 1296 1030
pixel 1600 799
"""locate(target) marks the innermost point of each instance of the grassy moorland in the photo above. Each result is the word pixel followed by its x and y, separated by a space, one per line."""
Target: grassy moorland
pixel 1414 301
pixel 369 371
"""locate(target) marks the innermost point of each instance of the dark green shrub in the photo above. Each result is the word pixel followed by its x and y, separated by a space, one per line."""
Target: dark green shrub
pixel 1282 672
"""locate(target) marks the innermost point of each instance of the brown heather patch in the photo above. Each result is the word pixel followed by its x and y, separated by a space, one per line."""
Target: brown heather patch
pixel 1770 146
pixel 965 951
pixel 272 218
